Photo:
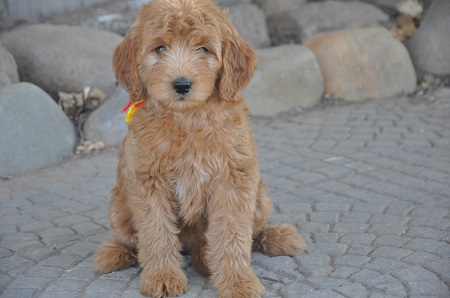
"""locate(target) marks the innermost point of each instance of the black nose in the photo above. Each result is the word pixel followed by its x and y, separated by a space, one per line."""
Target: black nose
pixel 182 86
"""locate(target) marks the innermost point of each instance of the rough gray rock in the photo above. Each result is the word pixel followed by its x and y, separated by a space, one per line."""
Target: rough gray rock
pixel 107 123
pixel 271 7
pixel 63 58
pixel 430 45
pixel 34 132
pixel 317 17
pixel 250 22
pixel 298 22
pixel 282 26
pixel 363 63
pixel 228 3
pixel 8 68
pixel 287 77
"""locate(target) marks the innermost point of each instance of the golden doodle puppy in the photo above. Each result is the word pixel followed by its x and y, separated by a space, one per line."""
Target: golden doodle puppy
pixel 188 176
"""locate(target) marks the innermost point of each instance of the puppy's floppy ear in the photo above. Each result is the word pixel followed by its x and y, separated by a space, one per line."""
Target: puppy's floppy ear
pixel 239 63
pixel 125 64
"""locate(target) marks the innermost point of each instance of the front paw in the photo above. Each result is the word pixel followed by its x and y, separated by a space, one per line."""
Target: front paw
pixel 166 283
pixel 244 284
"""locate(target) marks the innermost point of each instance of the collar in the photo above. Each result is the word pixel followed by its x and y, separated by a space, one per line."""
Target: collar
pixel 130 109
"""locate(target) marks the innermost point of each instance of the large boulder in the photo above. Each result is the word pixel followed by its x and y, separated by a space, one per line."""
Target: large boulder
pixel 107 123
pixel 318 17
pixel 34 132
pixel 295 21
pixel 430 45
pixel 250 22
pixel 8 68
pixel 63 58
pixel 359 64
pixel 288 77
pixel 272 7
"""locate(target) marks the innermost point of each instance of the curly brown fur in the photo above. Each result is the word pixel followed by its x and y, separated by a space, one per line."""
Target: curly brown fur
pixel 188 174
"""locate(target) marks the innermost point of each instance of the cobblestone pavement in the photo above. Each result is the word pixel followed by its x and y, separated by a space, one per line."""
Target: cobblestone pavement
pixel 366 184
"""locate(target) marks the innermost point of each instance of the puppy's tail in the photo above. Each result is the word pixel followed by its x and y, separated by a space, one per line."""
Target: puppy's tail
pixel 112 256
pixel 279 240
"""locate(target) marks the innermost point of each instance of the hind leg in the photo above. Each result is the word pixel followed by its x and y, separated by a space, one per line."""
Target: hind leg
pixel 274 240
pixel 120 252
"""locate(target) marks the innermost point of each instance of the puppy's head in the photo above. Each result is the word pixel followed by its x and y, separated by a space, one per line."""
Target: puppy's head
pixel 182 53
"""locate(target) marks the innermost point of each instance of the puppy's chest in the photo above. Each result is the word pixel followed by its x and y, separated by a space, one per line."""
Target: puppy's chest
pixel 192 177
pixel 194 168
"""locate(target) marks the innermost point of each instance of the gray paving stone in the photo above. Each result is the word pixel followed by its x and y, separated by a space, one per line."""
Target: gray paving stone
pixel 311 227
pixel 105 288
pixel 66 285
pixel 332 207
pixel 70 220
pixel 324 216
pixel 370 208
pixel 428 288
pixel 352 290
pixel 353 227
pixel 37 254
pixel 293 207
pixel 388 285
pixel 325 237
pixel 391 241
pixel 26 282
pixel 385 265
pixel 343 272
pixel 355 217
pixel 266 275
pixel 364 275
pixel 14 293
pixel 59 293
pixel 387 229
pixel 389 219
pixel 20 241
pixel 295 289
pixel 327 283
pixel 444 250
pixel 331 249
pixel 427 233
pixel 391 252
pixel 313 259
pixel 351 261
pixel 82 249
pixel 15 265
pixel 323 294
pixel 315 271
pixel 441 267
pixel 37 226
pixel 61 261
pixel 283 265
pixel 425 245
pixel 5 253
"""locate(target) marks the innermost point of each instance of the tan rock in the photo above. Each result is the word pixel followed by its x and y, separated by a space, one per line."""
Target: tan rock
pixel 359 64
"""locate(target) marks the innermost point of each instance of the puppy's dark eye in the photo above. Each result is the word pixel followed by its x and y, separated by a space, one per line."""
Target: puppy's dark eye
pixel 159 49
pixel 202 50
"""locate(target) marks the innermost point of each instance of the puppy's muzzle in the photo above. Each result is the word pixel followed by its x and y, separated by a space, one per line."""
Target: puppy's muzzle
pixel 182 86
